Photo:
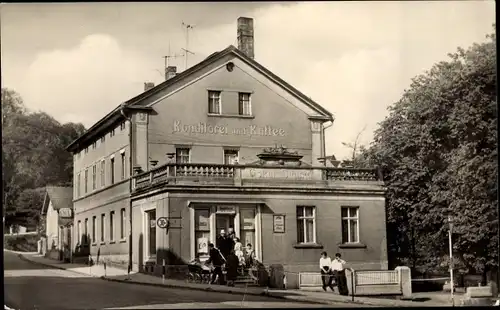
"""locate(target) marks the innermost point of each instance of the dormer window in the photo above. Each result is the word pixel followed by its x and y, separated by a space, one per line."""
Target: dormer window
pixel 214 102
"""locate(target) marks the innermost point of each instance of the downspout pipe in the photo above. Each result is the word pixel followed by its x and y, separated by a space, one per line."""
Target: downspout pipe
pixel 130 140
pixel 324 139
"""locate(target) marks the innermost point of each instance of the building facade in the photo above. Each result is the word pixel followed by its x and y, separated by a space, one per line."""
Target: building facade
pixel 226 143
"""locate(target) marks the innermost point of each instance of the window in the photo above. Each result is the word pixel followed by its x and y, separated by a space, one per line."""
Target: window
pixel 112 132
pixel 306 224
pixel 122 224
pixel 103 138
pixel 86 180
pixel 350 224
pixel 94 220
pixel 182 155
pixel 86 232
pixel 103 231
pixel 103 171
pixel 78 232
pixel 247 227
pixel 78 185
pixel 112 170
pixel 123 165
pixel 151 232
pixel 202 230
pixel 122 125
pixel 231 157
pixel 111 226
pixel 214 102
pixel 86 150
pixel 244 104
pixel 94 145
pixel 94 177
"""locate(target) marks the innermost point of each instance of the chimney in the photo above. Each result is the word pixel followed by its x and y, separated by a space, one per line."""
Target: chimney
pixel 245 36
pixel 148 86
pixel 170 72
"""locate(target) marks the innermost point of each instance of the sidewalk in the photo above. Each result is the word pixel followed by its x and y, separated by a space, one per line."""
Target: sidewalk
pixel 313 295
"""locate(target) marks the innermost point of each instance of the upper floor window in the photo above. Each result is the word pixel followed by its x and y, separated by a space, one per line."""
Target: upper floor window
pixel 94 145
pixel 306 224
pixel 182 155
pixel 112 133
pixel 214 102
pixel 103 171
pixel 244 104
pixel 350 224
pixel 123 165
pixel 112 170
pixel 86 150
pixel 231 157
pixel 122 125
pixel 94 177
pixel 103 138
pixel 86 180
pixel 78 185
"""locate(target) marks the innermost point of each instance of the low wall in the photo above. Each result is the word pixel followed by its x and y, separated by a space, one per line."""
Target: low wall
pixel 366 282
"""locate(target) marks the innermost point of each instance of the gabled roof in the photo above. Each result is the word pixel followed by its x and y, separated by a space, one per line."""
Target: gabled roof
pixel 135 102
pixel 61 197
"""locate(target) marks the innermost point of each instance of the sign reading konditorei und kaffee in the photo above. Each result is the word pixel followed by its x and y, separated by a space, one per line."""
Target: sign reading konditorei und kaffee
pixel 223 130
pixel 270 173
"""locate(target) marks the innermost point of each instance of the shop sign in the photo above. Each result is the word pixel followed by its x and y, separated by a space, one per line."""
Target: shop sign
pixel 226 210
pixel 224 130
pixel 65 213
pixel 284 174
pixel 278 223
pixel 202 245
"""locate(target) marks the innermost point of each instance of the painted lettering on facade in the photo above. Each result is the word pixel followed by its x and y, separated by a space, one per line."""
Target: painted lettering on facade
pixel 204 128
pixel 293 174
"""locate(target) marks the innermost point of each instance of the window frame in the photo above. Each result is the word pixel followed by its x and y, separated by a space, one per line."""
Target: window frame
pixel 123 223
pixel 78 184
pixel 349 219
pixel 212 96
pixel 94 177
pixel 123 165
pixel 111 226
pixel 226 150
pixel 241 104
pixel 112 170
pixel 86 230
pixel 103 227
pixel 178 156
pixel 86 181
pixel 304 219
pixel 94 223
pixel 197 230
pixel 103 173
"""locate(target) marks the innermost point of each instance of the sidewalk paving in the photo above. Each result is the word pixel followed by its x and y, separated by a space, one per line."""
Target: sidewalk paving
pixel 305 295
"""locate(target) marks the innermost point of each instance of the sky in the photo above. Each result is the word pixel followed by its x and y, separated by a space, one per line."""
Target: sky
pixel 78 61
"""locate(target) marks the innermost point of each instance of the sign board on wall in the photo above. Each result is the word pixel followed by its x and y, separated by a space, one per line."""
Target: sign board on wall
pixel 224 130
pixel 202 244
pixel 286 174
pixel 226 209
pixel 65 213
pixel 278 223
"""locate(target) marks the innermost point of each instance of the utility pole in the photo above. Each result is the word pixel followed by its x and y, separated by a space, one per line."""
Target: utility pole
pixel 186 50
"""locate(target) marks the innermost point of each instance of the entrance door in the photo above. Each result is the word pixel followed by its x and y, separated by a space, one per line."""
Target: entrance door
pixel 223 221
pixel 151 231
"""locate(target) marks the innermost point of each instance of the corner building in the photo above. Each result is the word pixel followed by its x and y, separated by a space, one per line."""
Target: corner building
pixel 226 143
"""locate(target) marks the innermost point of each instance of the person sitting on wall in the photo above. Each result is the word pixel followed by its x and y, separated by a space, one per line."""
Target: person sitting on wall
pixel 325 264
pixel 339 273
pixel 232 268
pixel 217 260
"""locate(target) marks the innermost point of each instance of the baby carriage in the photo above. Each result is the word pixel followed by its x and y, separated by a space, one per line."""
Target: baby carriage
pixel 198 273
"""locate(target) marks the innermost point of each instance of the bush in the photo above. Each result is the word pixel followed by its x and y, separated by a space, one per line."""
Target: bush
pixel 22 243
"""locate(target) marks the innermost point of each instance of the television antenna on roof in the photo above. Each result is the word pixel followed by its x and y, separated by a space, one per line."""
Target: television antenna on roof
pixel 186 50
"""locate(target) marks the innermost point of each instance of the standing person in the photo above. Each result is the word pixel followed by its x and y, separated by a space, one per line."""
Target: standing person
pixel 249 255
pixel 217 260
pixel 221 241
pixel 325 265
pixel 339 272
pixel 231 268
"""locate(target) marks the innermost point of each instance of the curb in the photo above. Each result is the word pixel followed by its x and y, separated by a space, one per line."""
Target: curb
pixel 297 298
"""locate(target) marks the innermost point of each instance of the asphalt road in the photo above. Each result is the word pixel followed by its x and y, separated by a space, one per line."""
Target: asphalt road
pixel 31 286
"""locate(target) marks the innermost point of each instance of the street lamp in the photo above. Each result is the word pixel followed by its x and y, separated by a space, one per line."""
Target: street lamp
pixel 452 284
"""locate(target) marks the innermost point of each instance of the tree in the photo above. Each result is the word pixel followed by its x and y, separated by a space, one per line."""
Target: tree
pixel 33 153
pixel 357 158
pixel 438 153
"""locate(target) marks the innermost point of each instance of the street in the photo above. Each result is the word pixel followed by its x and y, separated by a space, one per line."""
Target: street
pixel 31 286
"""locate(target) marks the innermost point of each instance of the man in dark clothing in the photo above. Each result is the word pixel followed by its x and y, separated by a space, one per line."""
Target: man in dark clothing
pixel 232 268
pixel 217 260
pixel 222 243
